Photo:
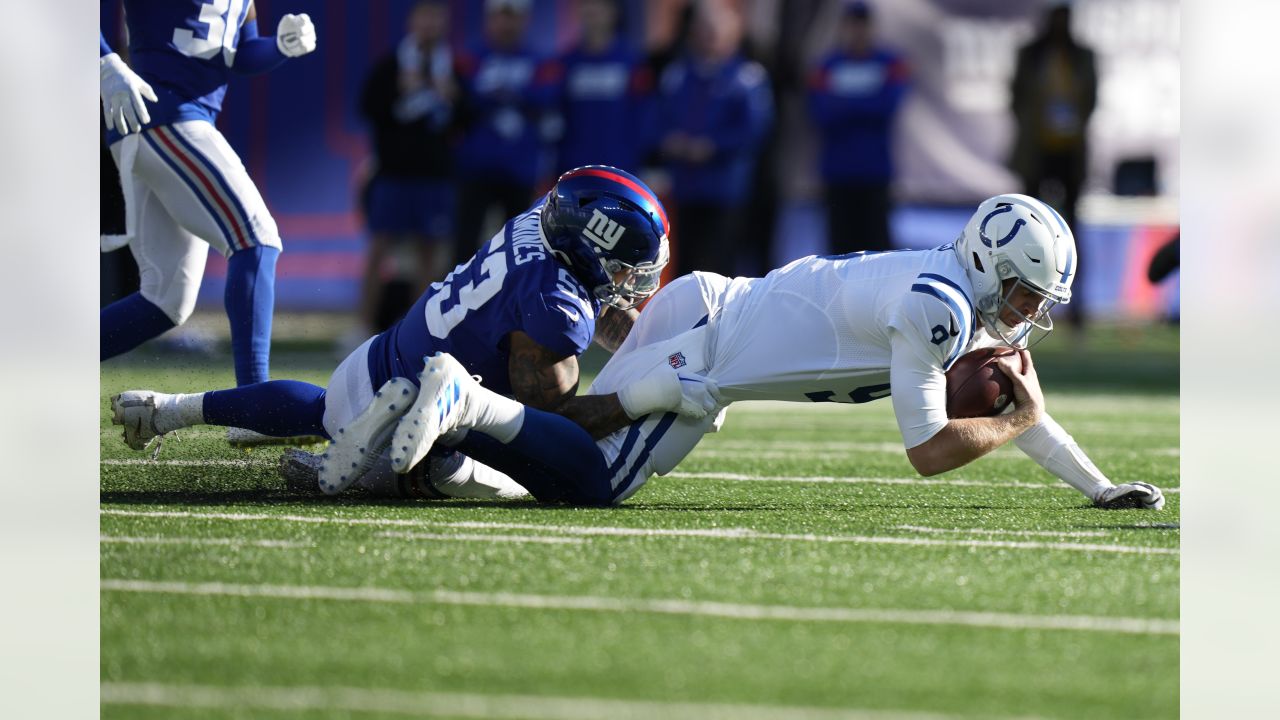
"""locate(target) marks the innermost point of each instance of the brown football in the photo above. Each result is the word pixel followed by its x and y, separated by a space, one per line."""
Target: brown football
pixel 976 386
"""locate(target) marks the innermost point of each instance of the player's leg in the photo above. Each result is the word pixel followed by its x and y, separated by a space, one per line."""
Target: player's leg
pixel 170 265
pixel 205 187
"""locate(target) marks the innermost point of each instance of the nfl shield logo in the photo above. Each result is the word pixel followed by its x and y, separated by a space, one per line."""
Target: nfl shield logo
pixel 677 361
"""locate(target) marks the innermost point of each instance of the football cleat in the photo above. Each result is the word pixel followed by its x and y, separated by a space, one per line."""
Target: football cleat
pixel 244 438
pixel 441 408
pixel 1131 496
pixel 300 471
pixel 136 411
pixel 356 447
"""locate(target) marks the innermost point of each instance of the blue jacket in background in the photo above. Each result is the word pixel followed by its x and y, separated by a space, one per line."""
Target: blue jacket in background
pixel 606 101
pixel 853 101
pixel 507 111
pixel 729 103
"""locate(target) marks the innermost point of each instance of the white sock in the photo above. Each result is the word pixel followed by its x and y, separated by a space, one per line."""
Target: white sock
pixel 494 415
pixel 459 476
pixel 178 411
pixel 1055 450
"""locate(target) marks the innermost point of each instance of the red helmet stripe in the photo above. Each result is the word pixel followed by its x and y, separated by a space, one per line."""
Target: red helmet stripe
pixel 646 192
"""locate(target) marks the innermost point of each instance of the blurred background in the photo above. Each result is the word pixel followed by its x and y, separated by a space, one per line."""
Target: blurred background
pixel 771 129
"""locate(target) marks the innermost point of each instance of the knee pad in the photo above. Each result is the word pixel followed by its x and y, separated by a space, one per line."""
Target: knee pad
pixel 175 296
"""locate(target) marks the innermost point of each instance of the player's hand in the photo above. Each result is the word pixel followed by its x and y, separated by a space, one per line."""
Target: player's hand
pixel 122 95
pixel 665 390
pixel 1027 395
pixel 699 396
pixel 295 35
pixel 1131 496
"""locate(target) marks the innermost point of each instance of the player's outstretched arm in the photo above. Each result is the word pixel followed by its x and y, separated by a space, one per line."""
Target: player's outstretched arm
pixel 962 441
pixel 295 36
pixel 122 92
pixel 1055 450
pixel 543 379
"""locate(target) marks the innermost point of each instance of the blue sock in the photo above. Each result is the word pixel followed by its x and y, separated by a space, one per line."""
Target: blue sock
pixel 279 408
pixel 126 324
pixel 552 457
pixel 250 298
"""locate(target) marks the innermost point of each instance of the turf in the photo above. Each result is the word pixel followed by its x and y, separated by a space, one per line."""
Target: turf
pixel 742 585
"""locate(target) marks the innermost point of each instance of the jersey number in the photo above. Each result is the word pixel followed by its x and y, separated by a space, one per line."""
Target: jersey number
pixel 860 395
pixel 221 36
pixel 468 296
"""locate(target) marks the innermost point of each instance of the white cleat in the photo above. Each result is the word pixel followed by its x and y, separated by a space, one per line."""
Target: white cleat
pixel 441 407
pixel 356 447
pixel 136 411
pixel 245 438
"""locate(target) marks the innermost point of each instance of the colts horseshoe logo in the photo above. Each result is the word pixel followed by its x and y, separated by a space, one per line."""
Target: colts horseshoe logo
pixel 1000 242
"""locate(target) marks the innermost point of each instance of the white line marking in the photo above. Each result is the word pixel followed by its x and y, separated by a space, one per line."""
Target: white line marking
pixel 719 533
pixel 467 705
pixel 1026 533
pixel 735 611
pixel 958 482
pixel 483 537
pixel 162 540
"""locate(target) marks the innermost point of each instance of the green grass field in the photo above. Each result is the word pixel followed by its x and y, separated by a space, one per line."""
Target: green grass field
pixel 793 567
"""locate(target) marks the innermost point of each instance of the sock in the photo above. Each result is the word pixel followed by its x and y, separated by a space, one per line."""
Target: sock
pixel 127 323
pixel 550 455
pixel 179 411
pixel 1055 450
pixel 279 408
pixel 250 297
pixel 459 476
pixel 497 416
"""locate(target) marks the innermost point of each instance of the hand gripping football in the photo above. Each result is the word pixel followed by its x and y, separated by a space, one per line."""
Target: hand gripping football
pixel 976 386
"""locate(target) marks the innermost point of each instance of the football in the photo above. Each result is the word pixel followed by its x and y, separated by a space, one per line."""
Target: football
pixel 976 386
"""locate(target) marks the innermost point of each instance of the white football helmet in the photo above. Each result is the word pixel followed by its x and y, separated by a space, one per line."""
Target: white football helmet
pixel 1021 238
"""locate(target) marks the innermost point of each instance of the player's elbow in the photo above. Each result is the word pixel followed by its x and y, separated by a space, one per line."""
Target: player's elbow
pixel 925 462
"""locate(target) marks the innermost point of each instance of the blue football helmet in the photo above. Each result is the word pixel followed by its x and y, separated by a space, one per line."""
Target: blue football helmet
pixel 610 229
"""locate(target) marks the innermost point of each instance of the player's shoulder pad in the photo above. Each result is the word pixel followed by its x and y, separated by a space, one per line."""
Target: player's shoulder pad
pixel 943 307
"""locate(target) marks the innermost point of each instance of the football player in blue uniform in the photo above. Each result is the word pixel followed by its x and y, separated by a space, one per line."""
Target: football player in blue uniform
pixel 184 186
pixel 517 315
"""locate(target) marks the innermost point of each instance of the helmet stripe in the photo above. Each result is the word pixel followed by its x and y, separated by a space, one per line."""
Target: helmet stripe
pixel 632 184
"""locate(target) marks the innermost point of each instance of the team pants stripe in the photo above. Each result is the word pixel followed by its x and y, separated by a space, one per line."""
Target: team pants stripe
pixel 639 463
pixel 181 170
pixel 200 183
pixel 214 172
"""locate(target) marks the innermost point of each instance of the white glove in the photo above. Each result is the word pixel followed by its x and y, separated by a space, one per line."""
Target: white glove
pixel 122 94
pixel 1131 496
pixel 665 390
pixel 296 35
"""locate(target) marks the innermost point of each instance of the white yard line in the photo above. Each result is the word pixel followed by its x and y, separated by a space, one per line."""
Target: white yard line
pixel 483 537
pixel 957 482
pixel 1020 533
pixel 163 540
pixel 735 611
pixel 466 705
pixel 718 533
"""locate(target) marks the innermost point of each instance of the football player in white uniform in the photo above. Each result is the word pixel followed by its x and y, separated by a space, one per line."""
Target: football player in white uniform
pixel 830 329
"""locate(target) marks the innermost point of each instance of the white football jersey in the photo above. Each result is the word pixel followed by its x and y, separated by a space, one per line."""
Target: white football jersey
pixel 846 329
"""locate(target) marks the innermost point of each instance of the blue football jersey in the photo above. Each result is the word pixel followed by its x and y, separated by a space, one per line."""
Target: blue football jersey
pixel 512 283
pixel 184 49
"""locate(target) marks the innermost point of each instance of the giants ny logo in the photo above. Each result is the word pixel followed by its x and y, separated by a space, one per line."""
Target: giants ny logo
pixel 603 231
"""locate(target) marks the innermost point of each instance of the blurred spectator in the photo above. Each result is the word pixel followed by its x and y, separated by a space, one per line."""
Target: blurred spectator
pixel 507 109
pixel 409 203
pixel 854 94
pixel 1055 89
pixel 607 93
pixel 714 107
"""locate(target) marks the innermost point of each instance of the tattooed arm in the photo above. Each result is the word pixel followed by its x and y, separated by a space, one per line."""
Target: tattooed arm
pixel 548 381
pixel 612 327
